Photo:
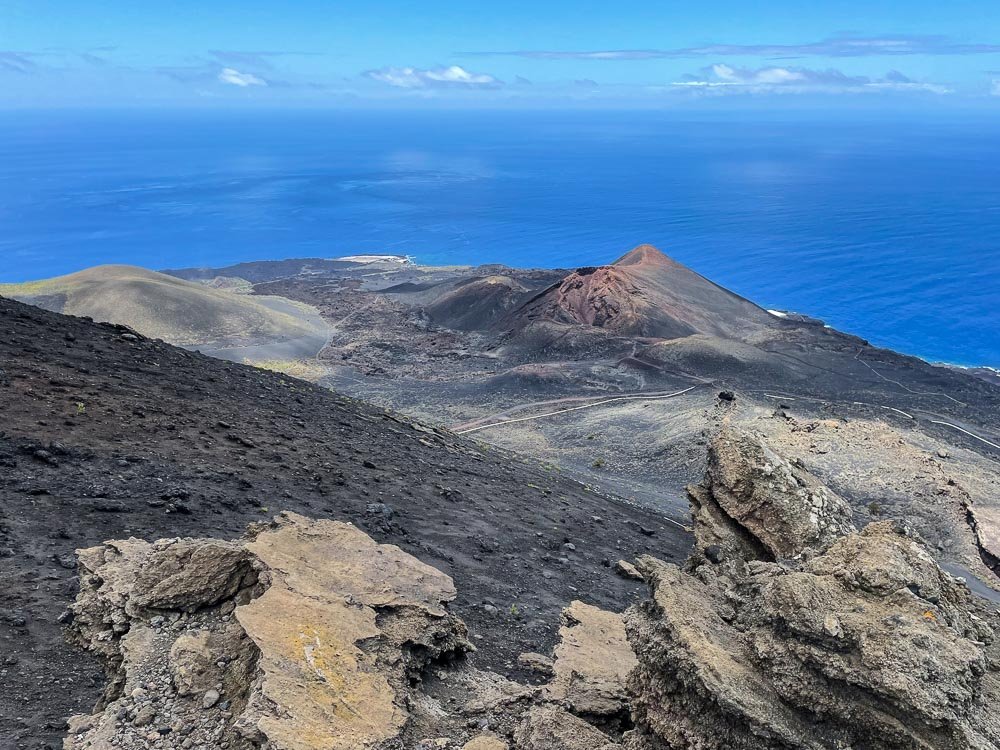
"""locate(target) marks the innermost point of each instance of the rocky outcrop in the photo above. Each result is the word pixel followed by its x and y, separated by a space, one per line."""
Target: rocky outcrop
pixel 309 634
pixel 306 634
pixel 985 523
pixel 860 641
pixel 627 570
pixel 344 625
pixel 786 629
pixel 755 503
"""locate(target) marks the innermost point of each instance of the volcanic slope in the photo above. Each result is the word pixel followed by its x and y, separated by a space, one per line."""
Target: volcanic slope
pixel 165 307
pixel 643 294
pixel 477 303
pixel 106 434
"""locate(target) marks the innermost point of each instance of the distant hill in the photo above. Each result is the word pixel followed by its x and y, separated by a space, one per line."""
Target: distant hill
pixel 161 306
pixel 644 294
pixel 258 271
pixel 477 303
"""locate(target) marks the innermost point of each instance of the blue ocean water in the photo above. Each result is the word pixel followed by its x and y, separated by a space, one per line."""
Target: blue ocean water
pixel 885 227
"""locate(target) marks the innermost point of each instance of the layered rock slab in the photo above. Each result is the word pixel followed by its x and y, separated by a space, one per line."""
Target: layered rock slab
pixel 591 663
pixel 327 584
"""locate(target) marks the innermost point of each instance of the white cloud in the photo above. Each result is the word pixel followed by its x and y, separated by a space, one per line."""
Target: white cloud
pixel 915 86
pixel 453 76
pixel 840 46
pixel 235 78
pixel 767 76
pixel 774 79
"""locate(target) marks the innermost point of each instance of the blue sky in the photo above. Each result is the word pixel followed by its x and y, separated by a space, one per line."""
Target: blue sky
pixel 580 53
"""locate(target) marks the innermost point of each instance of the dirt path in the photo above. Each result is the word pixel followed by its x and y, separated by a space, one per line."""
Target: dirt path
pixel 464 429
pixel 906 387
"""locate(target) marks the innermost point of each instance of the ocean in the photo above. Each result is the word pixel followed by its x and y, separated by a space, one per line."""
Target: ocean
pixel 886 227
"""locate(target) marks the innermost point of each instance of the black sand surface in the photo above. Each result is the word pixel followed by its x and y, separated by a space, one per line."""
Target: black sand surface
pixel 104 435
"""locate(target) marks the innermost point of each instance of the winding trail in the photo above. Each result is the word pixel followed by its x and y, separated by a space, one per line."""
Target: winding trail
pixel 645 397
pixel 925 414
pixel 476 425
pixel 962 429
pixel 906 387
pixel 783 397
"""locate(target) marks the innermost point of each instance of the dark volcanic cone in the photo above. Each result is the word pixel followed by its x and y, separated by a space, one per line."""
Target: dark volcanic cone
pixel 478 303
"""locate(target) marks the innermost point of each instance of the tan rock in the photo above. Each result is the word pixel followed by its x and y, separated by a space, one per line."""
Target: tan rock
pixel 592 661
pixel 753 498
pixel 538 663
pixel 323 689
pixel 627 570
pixel 486 742
pixel 490 693
pixel 324 558
pixel 304 665
pixel 851 640
pixel 861 641
pixel 326 579
pixel 187 575
pixel 552 728
pixel 132 578
pixel 987 528
pixel 193 666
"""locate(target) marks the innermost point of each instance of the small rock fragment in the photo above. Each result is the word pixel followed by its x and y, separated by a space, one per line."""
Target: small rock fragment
pixel 627 570
pixel 536 663
pixel 485 742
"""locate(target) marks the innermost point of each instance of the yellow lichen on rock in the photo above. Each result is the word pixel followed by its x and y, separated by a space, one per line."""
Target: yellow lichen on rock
pixel 306 635
pixel 329 694
pixel 326 579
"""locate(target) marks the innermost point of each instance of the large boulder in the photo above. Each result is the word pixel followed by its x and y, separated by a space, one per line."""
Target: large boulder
pixel 758 504
pixel 343 625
